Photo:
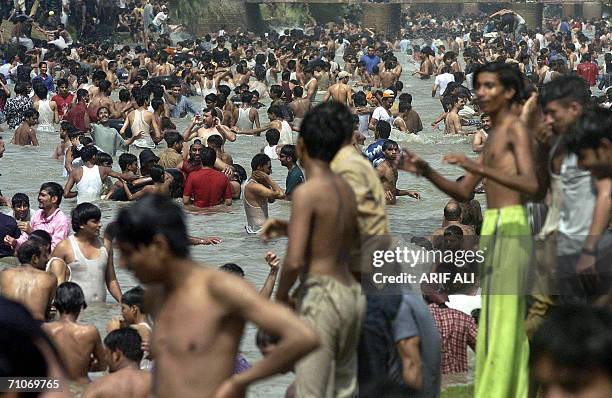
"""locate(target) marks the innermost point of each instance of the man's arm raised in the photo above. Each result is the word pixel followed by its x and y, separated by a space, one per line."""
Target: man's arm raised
pixel 297 339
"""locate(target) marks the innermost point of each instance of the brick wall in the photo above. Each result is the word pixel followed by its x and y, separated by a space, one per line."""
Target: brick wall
pixel 382 17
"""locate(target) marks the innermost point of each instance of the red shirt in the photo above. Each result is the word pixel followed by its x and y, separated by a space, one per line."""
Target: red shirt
pixel 62 103
pixel 587 71
pixel 208 187
pixel 76 115
pixel 457 332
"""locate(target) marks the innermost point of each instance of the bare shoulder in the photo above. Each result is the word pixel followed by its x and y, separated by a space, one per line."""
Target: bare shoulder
pixel 49 279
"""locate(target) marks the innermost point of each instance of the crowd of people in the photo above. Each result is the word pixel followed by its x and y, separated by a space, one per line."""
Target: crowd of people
pixel 534 104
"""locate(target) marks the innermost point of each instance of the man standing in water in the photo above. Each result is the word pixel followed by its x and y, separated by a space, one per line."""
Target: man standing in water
pixel 260 190
pixel 507 164
pixel 340 91
pixel 195 357
pixel 322 230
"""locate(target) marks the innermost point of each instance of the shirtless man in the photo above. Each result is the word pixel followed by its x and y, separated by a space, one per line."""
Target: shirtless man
pixel 508 166
pixel 102 99
pixel 29 284
pixel 165 68
pixel 299 106
pixel 322 229
pixel 390 73
pixel 209 124
pixel 481 135
pixel 161 184
pixel 260 190
pixel 25 134
pixel 125 379
pixel 195 357
pixel 311 84
pixel 98 255
pixel 387 170
pixel 426 69
pixel 79 345
pixel 452 216
pixel 452 122
pixel 215 142
pixel 340 92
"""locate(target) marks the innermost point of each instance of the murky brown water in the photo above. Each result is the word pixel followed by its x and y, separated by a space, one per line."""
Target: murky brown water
pixel 24 169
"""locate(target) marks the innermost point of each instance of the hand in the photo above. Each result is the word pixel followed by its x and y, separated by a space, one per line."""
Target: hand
pixel 587 273
pixel 411 163
pixel 9 240
pixel 261 177
pixel 229 171
pixel 139 135
pixel 389 197
pixel 414 194
pixel 272 260
pixel 230 389
pixel 530 107
pixel 213 240
pixel 463 161
pixel 274 228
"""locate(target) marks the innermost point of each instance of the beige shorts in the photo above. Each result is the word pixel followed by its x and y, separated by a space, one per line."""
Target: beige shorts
pixel 336 312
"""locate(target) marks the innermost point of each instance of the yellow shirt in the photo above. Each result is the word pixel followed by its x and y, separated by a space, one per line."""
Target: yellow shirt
pixel 369 192
pixel 170 159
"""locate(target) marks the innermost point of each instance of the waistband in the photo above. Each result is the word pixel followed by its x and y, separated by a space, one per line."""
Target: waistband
pixel 506 210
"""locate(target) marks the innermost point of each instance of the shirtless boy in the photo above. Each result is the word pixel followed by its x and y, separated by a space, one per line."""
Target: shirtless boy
pixel 322 229
pixel 195 357
pixel 341 91
pixel 29 284
pixel 25 134
pixel 125 380
pixel 161 184
pixel 452 123
pixel 481 135
pixel 79 345
pixel 208 125
pixel 387 170
pixel 508 166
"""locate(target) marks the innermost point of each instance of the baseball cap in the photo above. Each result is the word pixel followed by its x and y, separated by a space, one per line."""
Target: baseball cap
pixel 343 74
pixel 388 94
pixel 147 156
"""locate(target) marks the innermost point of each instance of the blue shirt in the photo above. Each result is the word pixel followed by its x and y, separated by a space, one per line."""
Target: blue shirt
pixel 46 81
pixel 370 62
pixel 182 107
pixel 374 152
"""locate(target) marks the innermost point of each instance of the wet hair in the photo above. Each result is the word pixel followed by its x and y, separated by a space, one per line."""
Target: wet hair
pixel 214 141
pixel 383 128
pixel 154 215
pixel 54 190
pixel 208 157
pixel 325 129
pixel 104 159
pixel 272 136
pixel 141 97
pixel 128 341
pixel 264 338
pixel 259 160
pixel 88 152
pixel 124 95
pixel 240 173
pixel 576 339
pixel 41 91
pixel 69 298
pixel 41 236
pixel 172 137
pixel 19 199
pixel 360 99
pixel 276 110
pixel 508 75
pixel 404 106
pixel 21 88
pixel 298 91
pixel 157 173
pixel 289 151
pixel 565 89
pixel 84 212
pixel 157 103
pixel 452 211
pixel 134 296
pixel 233 269
pixel 593 126
pixel 29 249
pixel 388 144
pixel 126 159
pixel 211 98
pixel 81 94
pixel 30 113
pixel 246 97
pixel 104 86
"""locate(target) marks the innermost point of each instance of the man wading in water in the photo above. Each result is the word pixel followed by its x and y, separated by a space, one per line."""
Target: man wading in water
pixel 507 164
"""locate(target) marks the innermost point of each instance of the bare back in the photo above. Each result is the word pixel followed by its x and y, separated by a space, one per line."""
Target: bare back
pixel 29 286
pixel 340 92
pixel 326 205
pixel 75 343
pixel 124 383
